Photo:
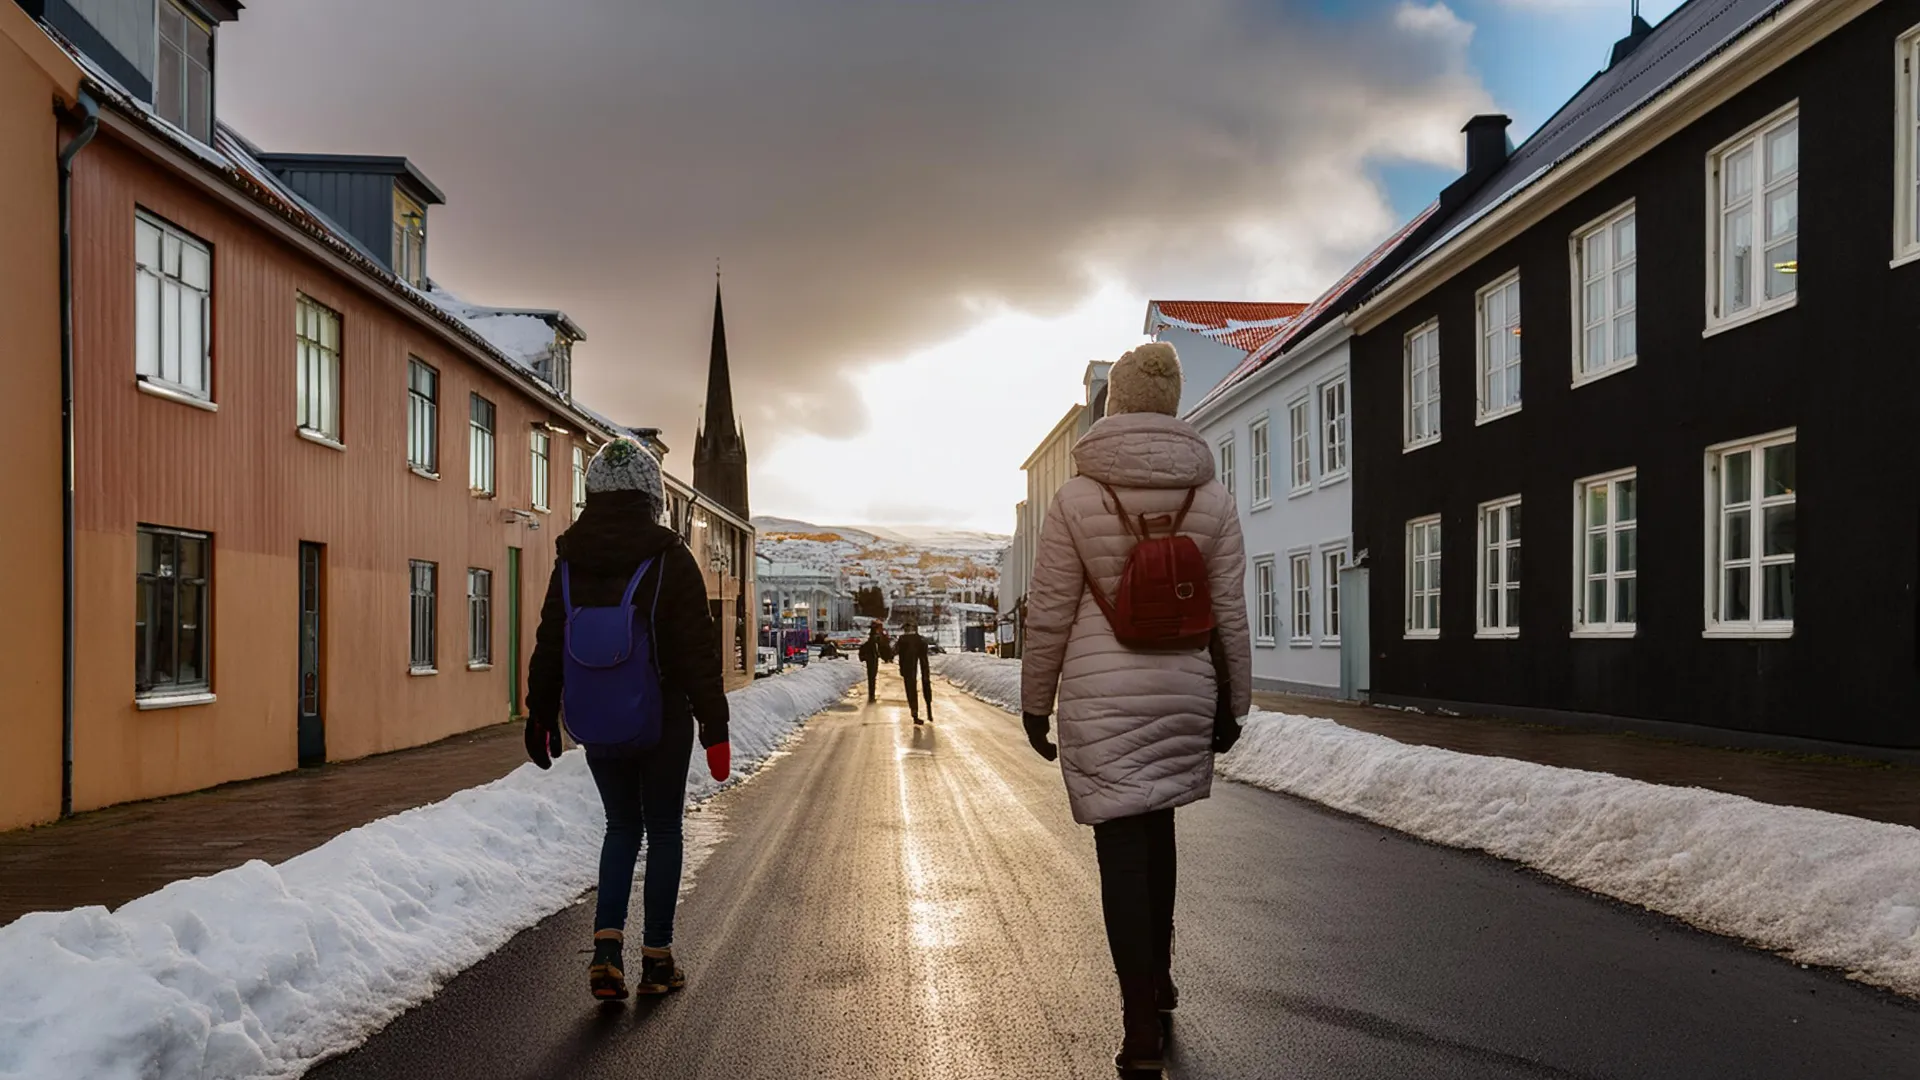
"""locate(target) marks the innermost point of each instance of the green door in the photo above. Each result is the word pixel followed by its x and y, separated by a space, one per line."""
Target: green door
pixel 513 633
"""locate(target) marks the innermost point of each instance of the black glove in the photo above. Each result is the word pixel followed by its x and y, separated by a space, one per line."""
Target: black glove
pixel 543 742
pixel 1226 732
pixel 1037 735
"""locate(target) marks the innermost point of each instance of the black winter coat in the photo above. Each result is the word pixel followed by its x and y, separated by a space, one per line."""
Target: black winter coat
pixel 914 665
pixel 875 650
pixel 613 537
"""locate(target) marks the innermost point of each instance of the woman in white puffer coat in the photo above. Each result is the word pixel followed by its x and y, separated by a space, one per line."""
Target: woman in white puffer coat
pixel 1138 729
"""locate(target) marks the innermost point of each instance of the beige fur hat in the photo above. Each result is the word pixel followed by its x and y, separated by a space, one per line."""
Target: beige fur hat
pixel 1146 380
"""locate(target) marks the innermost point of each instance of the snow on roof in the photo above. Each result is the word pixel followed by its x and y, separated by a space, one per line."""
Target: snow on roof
pixel 1244 325
pixel 526 337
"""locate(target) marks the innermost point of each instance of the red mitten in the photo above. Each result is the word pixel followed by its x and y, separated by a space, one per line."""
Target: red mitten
pixel 720 760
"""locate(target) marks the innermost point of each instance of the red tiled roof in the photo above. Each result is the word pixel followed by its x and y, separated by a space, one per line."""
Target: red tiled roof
pixel 1219 314
pixel 1277 343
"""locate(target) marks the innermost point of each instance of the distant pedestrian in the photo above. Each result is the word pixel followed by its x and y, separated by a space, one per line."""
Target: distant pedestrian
pixel 915 668
pixel 629 656
pixel 873 652
pixel 1142 711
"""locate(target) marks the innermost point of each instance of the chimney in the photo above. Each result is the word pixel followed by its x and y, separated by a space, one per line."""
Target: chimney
pixel 1487 145
pixel 1636 34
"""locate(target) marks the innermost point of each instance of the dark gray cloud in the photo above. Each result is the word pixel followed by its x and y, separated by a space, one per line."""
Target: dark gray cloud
pixel 862 166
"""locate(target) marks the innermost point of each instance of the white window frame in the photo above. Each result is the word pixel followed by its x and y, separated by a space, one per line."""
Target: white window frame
pixel 1583 575
pixel 1333 559
pixel 1424 546
pixel 173 291
pixel 1906 188
pixel 579 480
pixel 1506 289
pixel 1227 466
pixel 1300 597
pixel 409 239
pixel 1335 430
pixel 479 618
pixel 317 349
pixel 482 477
pixel 423 590
pixel 1266 614
pixel 541 463
pixel 1497 616
pixel 423 418
pixel 1588 274
pixel 1752 141
pixel 198 125
pixel 1755 559
pixel 1260 461
pixel 1300 445
pixel 1420 415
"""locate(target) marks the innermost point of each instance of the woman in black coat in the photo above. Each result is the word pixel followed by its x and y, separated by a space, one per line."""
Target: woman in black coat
pixel 645 791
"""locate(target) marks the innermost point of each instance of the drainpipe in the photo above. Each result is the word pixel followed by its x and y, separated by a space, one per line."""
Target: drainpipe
pixel 89 125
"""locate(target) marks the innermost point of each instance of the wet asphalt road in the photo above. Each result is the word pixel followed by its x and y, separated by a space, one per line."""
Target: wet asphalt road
pixel 894 902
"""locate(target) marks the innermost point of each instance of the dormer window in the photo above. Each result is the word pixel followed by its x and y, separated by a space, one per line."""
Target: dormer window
pixel 560 365
pixel 183 85
pixel 409 240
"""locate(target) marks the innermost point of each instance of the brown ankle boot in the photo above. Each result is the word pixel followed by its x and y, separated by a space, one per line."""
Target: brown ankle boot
pixel 1140 1055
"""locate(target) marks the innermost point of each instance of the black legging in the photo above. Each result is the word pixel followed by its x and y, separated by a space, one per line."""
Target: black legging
pixel 1138 872
pixel 873 677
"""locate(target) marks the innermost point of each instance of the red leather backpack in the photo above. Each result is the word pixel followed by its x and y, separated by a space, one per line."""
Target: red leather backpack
pixel 1163 603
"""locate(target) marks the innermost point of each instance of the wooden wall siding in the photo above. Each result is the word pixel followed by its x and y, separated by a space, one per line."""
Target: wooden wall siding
pixel 245 476
pixel 29 445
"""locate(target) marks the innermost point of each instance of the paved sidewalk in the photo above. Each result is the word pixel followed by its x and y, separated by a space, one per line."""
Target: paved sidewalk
pixel 1868 789
pixel 113 855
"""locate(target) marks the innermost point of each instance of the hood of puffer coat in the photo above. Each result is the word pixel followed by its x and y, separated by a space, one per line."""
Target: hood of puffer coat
pixel 1144 450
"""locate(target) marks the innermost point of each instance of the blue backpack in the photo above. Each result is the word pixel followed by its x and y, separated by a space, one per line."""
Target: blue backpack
pixel 611 695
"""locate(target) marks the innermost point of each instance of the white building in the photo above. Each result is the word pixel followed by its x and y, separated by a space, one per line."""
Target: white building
pixel 1214 337
pixel 1048 469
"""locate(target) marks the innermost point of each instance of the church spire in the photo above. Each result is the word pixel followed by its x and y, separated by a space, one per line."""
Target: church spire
pixel 719 418
pixel 720 452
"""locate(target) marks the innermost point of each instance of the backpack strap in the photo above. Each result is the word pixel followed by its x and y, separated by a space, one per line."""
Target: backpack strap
pixel 566 589
pixel 633 584
pixel 1181 517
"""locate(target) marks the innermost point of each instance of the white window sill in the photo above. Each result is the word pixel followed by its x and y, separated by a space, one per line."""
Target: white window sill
pixel 479 494
pixel 480 667
pixel 1300 643
pixel 1905 259
pixel 318 439
pixel 169 392
pixel 1327 479
pixel 543 510
pixel 1421 445
pixel 1259 505
pixel 1490 417
pixel 1742 319
pixel 174 701
pixel 1329 642
pixel 1615 368
pixel 1604 635
pixel 1776 633
pixel 1264 643
pixel 1422 635
pixel 1497 635
pixel 424 474
pixel 421 671
pixel 1299 491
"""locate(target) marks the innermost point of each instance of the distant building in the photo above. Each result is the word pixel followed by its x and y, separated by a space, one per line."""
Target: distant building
pixel 720 449
pixel 1048 469
pixel 1213 337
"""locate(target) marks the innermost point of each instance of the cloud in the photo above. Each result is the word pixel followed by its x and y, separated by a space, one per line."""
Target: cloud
pixel 864 167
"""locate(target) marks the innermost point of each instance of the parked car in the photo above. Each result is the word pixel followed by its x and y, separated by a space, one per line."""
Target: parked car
pixel 766 662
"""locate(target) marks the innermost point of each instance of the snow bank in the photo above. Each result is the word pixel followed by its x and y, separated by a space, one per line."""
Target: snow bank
pixel 1819 888
pixel 260 970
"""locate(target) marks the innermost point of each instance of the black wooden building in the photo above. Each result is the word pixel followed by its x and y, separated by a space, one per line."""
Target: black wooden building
pixel 1712 257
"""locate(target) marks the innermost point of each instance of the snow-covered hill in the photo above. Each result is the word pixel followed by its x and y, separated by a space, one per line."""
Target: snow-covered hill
pixel 903 558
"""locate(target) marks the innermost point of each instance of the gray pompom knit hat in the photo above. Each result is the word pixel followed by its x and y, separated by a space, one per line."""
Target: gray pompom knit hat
pixel 1146 380
pixel 625 465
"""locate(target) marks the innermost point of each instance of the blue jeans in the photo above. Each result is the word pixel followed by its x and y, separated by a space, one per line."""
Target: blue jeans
pixel 645 796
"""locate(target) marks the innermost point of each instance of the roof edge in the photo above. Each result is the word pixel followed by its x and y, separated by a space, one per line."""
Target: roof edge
pixel 43 52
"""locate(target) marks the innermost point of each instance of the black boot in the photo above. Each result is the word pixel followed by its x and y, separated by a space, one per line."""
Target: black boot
pixel 606 975
pixel 1140 1056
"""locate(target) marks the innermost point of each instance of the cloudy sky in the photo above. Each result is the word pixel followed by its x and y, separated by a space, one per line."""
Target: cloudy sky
pixel 931 213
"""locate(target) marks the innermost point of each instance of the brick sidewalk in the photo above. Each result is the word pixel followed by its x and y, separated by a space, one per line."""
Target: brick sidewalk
pixel 1882 792
pixel 113 855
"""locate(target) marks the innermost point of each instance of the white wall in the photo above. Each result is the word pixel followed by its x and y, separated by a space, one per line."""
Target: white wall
pixel 1316 521
pixel 1203 362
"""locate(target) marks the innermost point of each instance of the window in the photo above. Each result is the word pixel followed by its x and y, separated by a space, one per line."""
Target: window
pixel 1906 215
pixel 1333 428
pixel 170 639
pixel 424 620
pixel 423 416
pixel 183 77
pixel 1265 609
pixel 560 366
pixel 1756 197
pixel 1258 459
pixel 1606 595
pixel 1754 487
pixel 317 345
pixel 409 240
pixel 1606 261
pixel 1332 562
pixel 480 445
pixel 542 471
pixel 479 618
pixel 1300 438
pixel 1226 463
pixel 579 480
pixel 1498 311
pixel 1500 568
pixel 173 286
pixel 1423 386
pixel 1423 577
pixel 1301 570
